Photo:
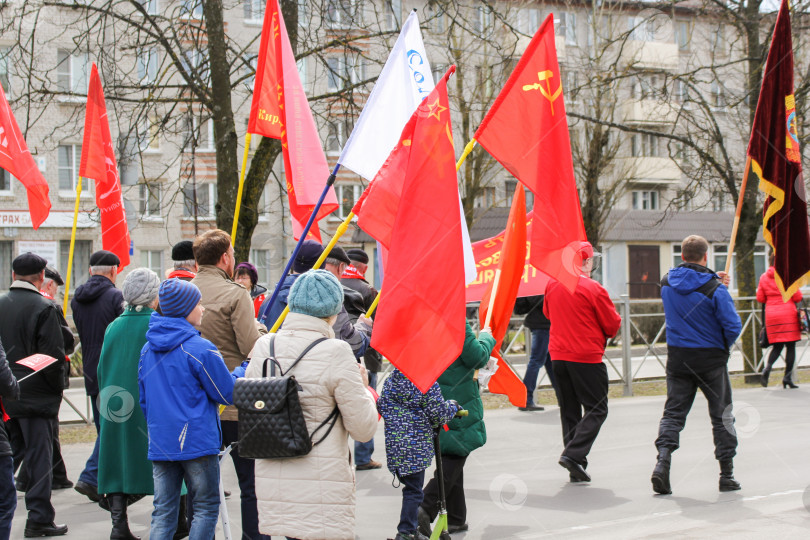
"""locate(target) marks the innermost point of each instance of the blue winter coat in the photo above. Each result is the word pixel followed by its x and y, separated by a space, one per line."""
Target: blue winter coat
pixel 702 322
pixel 410 417
pixel 182 379
pixel 273 313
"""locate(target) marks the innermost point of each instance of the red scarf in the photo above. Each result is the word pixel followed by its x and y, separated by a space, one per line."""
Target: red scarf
pixel 352 273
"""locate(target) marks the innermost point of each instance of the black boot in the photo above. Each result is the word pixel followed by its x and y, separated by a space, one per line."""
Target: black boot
pixel 727 481
pixel 182 522
pixel 660 475
pixel 787 382
pixel 118 513
pixel 764 376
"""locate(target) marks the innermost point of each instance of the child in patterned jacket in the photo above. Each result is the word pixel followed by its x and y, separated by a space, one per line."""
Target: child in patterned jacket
pixel 410 417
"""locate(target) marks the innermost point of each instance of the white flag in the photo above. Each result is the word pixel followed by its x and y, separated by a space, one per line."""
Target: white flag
pixel 405 80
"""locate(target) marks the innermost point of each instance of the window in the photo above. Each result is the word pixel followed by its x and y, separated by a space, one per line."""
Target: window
pixel 719 262
pixel 719 40
pixel 568 28
pixel 342 71
pixel 570 84
pixel 718 94
pixel 528 21
pixel 69 156
pixel 684 200
pixel 336 138
pixel 438 71
pixel 301 64
pixel 201 138
pixel 205 196
pixel 718 201
pixel 5 182
pixel 264 208
pixel 4 78
pixel 147 66
pixel 683 34
pixel 195 60
pixel 760 261
pixel 435 19
pixel 486 199
pixel 72 71
pixel 303 15
pixel 261 260
pixel 645 86
pixel 642 28
pixel 645 200
pixel 341 13
pixel 148 135
pixel 394 13
pixel 5 263
pixel 149 200
pixel 482 19
pixel 645 145
pixel 484 81
pixel 347 195
pixel 81 261
pixel 151 6
pixel 680 91
pixel 254 10
pixel 676 255
pixel 153 260
pixel 191 9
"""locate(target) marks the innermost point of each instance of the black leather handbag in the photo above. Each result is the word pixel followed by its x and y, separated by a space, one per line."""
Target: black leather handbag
pixel 763 334
pixel 271 420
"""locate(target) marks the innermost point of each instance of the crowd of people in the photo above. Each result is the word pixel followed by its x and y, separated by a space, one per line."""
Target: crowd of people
pixel 161 358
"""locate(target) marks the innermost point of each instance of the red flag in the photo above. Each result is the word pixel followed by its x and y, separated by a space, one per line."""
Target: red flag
pixel 279 102
pixel 16 159
pixel 510 268
pixel 776 160
pixel 419 311
pixel 526 130
pixel 98 162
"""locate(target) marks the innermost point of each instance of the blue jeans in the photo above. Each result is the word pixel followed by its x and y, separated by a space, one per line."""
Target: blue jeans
pixel 90 473
pixel 539 356
pixel 412 497
pixel 202 480
pixel 8 495
pixel 363 450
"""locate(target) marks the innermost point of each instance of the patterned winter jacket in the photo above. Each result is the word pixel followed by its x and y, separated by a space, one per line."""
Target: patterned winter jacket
pixel 410 417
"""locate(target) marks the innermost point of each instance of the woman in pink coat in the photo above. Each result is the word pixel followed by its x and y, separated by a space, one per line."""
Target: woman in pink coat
pixel 781 325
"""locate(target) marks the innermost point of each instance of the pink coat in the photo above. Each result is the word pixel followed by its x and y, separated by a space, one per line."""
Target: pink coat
pixel 781 319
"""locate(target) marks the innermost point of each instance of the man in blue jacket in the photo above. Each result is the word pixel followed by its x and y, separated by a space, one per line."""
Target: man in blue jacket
pixel 182 380
pixel 702 325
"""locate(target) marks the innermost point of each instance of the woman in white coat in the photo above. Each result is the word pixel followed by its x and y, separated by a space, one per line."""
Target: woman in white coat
pixel 313 497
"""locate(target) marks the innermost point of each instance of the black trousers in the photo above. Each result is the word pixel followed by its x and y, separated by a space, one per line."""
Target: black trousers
pixel 681 391
pixel 453 467
pixel 247 483
pixel 59 470
pixel 582 388
pixel 36 437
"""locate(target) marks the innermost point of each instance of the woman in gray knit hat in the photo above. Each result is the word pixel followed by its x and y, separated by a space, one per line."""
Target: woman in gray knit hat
pixel 124 472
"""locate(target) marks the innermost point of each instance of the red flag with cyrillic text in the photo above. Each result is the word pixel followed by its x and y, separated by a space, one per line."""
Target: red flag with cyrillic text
pixel 98 162
pixel 526 130
pixel 412 208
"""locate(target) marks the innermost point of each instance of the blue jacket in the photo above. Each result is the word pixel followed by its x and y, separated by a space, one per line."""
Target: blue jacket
pixel 273 313
pixel 182 379
pixel 410 417
pixel 702 322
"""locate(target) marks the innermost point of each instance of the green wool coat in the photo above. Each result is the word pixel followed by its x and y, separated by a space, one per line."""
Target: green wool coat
pixel 122 463
pixel 458 382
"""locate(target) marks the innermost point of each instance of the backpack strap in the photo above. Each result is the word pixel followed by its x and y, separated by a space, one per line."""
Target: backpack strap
pixel 300 356
pixel 333 416
pixel 271 358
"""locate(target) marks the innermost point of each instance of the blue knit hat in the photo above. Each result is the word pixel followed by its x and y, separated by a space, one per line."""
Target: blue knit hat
pixel 178 298
pixel 317 293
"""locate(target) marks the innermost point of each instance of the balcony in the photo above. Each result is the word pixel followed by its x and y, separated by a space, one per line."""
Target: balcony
pixel 651 55
pixel 652 170
pixel 649 111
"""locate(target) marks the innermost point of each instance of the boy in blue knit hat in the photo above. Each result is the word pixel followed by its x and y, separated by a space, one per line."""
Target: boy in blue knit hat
pixel 410 417
pixel 182 380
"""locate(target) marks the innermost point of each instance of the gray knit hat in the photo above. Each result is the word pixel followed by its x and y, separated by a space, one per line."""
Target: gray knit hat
pixel 317 293
pixel 140 287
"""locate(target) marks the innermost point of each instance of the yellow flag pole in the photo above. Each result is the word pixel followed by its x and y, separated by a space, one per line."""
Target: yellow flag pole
pixel 241 187
pixel 736 225
pixel 72 245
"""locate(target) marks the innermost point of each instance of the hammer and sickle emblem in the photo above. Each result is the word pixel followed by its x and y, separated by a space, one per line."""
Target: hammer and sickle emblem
pixel 545 76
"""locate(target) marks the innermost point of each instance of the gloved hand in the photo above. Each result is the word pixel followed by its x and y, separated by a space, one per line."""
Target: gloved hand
pixel 453 403
pixel 239 371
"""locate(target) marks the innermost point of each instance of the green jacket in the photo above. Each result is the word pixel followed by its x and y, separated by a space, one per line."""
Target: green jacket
pixel 458 382
pixel 122 463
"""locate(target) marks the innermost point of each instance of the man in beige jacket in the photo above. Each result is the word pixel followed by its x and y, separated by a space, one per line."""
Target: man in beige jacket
pixel 229 324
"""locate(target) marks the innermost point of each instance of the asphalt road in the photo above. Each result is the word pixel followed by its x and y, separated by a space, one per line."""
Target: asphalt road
pixel 516 490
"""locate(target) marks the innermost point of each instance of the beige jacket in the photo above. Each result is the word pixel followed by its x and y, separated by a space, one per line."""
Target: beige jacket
pixel 228 321
pixel 313 497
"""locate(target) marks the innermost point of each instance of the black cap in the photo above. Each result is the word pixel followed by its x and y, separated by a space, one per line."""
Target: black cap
pixel 28 264
pixel 338 253
pixel 183 251
pixel 104 258
pixel 307 256
pixel 358 255
pixel 53 275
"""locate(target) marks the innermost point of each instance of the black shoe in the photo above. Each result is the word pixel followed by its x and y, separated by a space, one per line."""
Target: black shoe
pixel 227 494
pixel 458 528
pixel 37 530
pixel 576 471
pixel 660 475
pixel 727 481
pixel 424 522
pixel 91 492
pixel 787 382
pixel 415 536
pixel 61 484
pixel 183 529
pixel 531 407
pixel 118 513
pixel 763 378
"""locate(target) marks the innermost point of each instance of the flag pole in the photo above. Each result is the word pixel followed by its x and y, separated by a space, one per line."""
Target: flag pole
pixel 737 214
pixel 241 187
pixel 72 245
pixel 492 298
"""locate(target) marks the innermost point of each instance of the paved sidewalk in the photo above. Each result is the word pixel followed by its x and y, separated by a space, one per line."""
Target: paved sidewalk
pixel 516 490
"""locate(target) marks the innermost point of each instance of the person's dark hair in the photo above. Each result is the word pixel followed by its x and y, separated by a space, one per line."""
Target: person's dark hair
pixel 693 248
pixel 210 245
pixel 249 270
pixel 771 257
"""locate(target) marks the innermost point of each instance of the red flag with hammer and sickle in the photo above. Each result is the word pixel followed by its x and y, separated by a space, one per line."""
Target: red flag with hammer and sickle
pixel 526 130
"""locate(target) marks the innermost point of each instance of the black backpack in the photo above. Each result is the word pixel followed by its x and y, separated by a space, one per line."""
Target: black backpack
pixel 271 421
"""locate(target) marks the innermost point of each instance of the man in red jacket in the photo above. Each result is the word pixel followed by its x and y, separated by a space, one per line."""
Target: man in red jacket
pixel 581 324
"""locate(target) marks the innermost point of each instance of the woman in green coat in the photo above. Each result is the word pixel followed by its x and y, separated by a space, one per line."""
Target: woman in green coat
pixel 123 468
pixel 459 382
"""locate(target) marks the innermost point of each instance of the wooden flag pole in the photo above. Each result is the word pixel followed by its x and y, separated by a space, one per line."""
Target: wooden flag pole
pixel 241 187
pixel 736 225
pixel 492 299
pixel 72 246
